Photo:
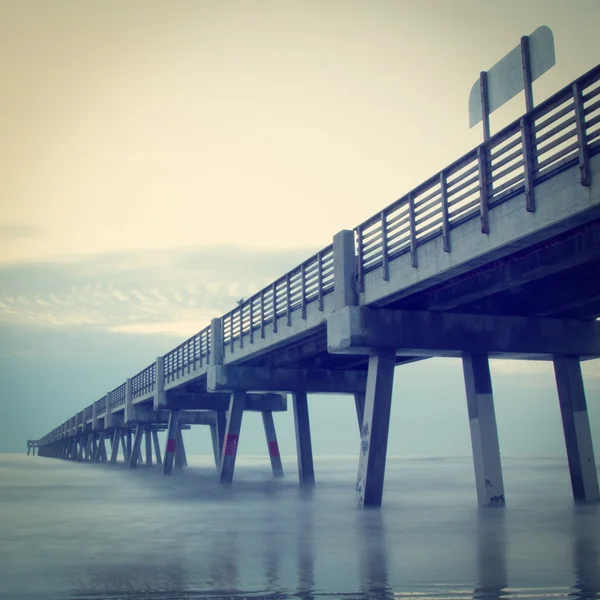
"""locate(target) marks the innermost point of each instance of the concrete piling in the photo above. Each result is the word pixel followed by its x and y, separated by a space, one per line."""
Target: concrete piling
pixel 374 431
pixel 306 471
pixel 576 427
pixel 484 432
pixel 272 445
pixel 171 443
pixel 232 434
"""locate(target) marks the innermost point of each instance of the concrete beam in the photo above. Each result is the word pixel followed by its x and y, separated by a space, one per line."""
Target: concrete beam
pixel 220 401
pixel 234 378
pixel 361 330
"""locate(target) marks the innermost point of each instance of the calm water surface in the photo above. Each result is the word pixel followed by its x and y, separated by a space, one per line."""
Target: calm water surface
pixel 71 530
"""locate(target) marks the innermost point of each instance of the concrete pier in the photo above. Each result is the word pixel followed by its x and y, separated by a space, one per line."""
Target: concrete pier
pixel 576 427
pixel 232 435
pixel 171 443
pixel 156 447
pixel 272 445
pixel 148 442
pixel 374 431
pixel 306 470
pixel 484 433
pixel 114 452
pixel 137 445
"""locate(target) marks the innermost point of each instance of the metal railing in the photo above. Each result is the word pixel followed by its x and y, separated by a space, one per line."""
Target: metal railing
pixel 143 383
pixel 101 405
pixel 188 357
pixel 308 282
pixel 117 396
pixel 551 138
pixel 561 132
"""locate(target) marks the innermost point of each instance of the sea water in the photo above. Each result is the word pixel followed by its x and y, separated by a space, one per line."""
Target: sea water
pixel 73 530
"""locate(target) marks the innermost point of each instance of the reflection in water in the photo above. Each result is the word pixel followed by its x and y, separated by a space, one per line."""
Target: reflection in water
pixel 130 580
pixel 306 558
pixel 372 555
pixel 223 573
pixel 491 554
pixel 586 559
pixel 82 532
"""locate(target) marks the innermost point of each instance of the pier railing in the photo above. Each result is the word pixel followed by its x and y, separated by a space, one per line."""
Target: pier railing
pixel 554 136
pixel 562 132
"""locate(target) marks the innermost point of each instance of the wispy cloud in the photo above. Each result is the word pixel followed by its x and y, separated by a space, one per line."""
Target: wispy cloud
pixel 175 292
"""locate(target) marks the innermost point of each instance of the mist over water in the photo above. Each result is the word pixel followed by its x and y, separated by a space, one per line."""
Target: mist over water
pixel 70 530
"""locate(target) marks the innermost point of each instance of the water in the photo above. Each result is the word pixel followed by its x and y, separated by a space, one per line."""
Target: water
pixel 71 530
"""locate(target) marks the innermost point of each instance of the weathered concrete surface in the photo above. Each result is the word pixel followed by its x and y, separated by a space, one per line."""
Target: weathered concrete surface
pixel 576 427
pixel 362 330
pixel 229 377
pixel 484 432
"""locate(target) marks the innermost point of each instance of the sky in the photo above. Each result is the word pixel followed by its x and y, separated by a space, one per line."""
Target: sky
pixel 161 160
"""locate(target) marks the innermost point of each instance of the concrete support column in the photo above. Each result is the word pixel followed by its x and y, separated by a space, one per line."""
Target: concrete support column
pixel 156 447
pixel 215 444
pixel 94 446
pixel 114 453
pixel 232 435
pixel 374 431
pixel 87 453
pixel 148 439
pixel 272 445
pixel 576 427
pixel 180 455
pixel 306 471
pixel 123 437
pixel 129 438
pixel 82 447
pixel 137 443
pixel 171 442
pixel 359 402
pixel 101 449
pixel 484 433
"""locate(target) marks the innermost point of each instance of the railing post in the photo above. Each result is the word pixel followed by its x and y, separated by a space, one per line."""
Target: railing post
pixel 288 298
pixel 108 414
pixel 216 340
pixel 584 155
pixel 344 265
pixel 274 292
pixel 359 259
pixel 251 316
pixel 483 188
pixel 160 396
pixel 527 163
pixel 94 416
pixel 262 314
pixel 413 231
pixel 129 409
pixel 241 325
pixel 445 219
pixel 303 291
pixel 320 280
pixel 384 248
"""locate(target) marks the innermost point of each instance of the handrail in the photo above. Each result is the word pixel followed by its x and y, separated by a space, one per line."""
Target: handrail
pixel 521 155
pixel 540 144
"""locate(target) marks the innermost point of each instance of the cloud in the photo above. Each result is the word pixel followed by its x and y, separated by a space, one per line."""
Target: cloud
pixel 173 291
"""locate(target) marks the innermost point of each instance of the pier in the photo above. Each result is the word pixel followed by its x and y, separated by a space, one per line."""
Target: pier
pixel 497 255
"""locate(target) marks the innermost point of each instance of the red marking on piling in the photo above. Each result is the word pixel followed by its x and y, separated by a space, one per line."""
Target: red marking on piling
pixel 273 449
pixel 171 445
pixel 231 444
